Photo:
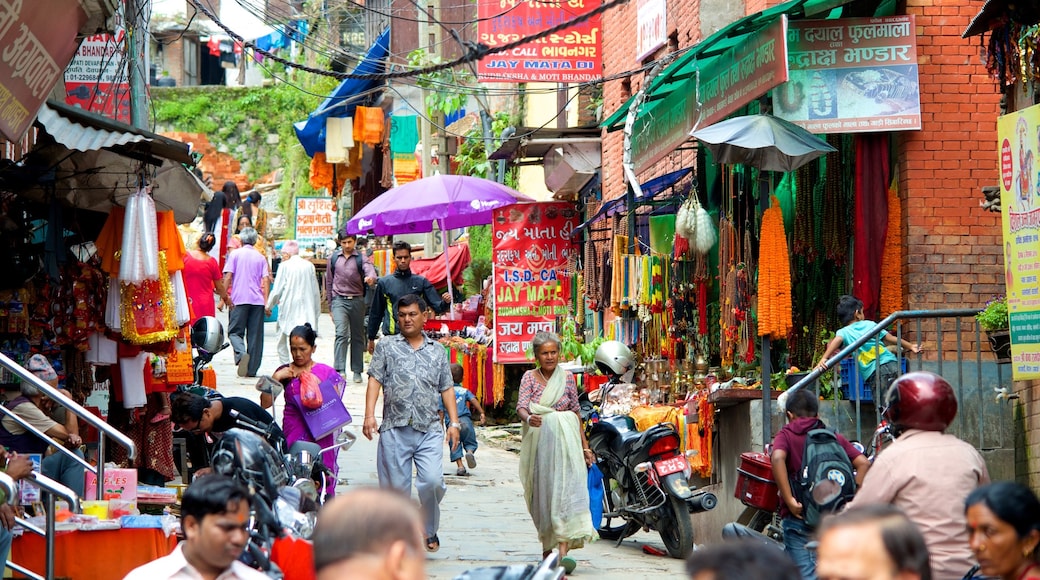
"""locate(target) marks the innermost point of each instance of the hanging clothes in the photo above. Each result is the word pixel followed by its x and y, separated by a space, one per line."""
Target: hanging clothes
pixel 871 218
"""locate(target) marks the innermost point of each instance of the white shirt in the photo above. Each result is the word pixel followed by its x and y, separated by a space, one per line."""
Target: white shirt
pixel 296 293
pixel 175 567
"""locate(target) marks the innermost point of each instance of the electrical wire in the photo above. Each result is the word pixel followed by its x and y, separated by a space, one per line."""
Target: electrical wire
pixel 474 52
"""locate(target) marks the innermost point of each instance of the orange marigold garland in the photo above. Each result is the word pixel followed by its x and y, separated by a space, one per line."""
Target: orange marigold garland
pixel 892 260
pixel 774 276
pixel 321 174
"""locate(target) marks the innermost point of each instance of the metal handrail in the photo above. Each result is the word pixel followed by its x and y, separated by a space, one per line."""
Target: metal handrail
pixel 35 431
pixel 104 429
pixel 53 489
pixel 872 333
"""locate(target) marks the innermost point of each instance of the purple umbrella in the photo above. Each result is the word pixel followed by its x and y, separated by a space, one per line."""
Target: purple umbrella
pixel 452 201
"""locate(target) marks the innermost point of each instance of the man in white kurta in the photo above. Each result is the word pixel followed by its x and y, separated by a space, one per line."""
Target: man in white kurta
pixel 297 295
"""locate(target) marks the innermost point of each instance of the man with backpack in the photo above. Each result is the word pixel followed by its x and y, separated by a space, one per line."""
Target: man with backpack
pixel 346 279
pixel 817 472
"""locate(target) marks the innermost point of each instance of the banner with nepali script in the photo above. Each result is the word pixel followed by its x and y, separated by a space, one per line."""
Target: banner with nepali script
pixel 572 55
pixel 315 220
pixel 531 244
pixel 37 41
pixel 851 75
pixel 1018 135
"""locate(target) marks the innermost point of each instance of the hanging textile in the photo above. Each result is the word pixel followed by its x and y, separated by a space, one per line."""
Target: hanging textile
pixel 871 218
pixel 140 244
pixel 368 125
pixel 404 134
pixel 339 138
pixel 321 174
pixel 148 313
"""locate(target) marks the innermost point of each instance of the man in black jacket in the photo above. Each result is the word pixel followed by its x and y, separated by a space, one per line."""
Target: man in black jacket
pixel 389 289
pixel 198 416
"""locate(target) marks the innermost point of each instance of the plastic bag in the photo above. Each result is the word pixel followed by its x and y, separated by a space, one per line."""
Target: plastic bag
pixel 596 495
pixel 310 390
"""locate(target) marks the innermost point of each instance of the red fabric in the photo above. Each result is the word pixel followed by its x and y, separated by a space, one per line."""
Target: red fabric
pixel 871 219
pixel 100 555
pixel 433 269
pixel 199 276
pixel 295 557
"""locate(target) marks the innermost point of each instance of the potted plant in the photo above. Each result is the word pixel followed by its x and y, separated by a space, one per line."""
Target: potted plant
pixel 993 319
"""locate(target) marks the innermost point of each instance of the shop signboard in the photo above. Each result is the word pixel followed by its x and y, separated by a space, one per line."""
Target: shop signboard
pixel 315 220
pixel 96 80
pixel 740 75
pixel 1018 137
pixel 37 40
pixel 572 55
pixel 852 75
pixel 652 31
pixel 531 244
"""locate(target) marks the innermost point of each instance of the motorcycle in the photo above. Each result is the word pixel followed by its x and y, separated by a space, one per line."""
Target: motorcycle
pixel 645 473
pixel 547 569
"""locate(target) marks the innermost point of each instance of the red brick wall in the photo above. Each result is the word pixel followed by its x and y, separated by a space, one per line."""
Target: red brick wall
pixel 953 246
pixel 220 167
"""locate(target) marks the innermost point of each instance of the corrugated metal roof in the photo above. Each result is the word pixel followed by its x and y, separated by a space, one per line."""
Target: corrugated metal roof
pixel 73 135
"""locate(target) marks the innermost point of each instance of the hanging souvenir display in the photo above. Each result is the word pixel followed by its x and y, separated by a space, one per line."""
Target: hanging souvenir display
pixel 774 276
pixel 140 247
pixel 148 312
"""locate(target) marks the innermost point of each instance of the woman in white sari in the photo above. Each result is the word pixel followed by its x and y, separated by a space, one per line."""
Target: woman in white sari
pixel 554 455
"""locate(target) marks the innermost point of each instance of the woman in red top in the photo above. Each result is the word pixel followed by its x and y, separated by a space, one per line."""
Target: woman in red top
pixel 202 277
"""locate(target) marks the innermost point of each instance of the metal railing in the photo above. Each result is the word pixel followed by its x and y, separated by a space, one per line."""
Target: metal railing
pixel 935 356
pixel 52 487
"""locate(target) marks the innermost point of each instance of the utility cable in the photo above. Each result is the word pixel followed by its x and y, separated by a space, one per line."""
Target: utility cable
pixel 475 51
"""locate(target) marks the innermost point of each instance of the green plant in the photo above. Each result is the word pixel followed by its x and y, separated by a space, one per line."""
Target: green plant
pixel 572 346
pixel 994 316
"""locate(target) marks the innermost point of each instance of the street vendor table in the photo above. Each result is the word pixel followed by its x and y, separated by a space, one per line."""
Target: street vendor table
pixel 100 555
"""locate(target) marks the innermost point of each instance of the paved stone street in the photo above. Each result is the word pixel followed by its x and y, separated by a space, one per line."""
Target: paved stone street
pixel 483 518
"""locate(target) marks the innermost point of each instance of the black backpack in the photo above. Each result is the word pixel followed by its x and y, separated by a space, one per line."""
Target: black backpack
pixel 826 481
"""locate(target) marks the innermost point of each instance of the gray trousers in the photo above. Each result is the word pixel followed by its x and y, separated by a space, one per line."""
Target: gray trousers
pixel 246 326
pixel 398 449
pixel 348 314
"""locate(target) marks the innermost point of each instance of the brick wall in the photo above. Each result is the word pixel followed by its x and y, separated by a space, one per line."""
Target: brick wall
pixel 953 246
pixel 217 166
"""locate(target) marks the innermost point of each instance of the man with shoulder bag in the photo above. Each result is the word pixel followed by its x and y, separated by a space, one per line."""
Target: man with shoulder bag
pixel 347 277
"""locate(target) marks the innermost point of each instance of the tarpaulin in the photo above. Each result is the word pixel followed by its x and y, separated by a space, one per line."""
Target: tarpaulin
pixel 433 268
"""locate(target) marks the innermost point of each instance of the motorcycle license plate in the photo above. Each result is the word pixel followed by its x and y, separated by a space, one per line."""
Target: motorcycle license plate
pixel 669 466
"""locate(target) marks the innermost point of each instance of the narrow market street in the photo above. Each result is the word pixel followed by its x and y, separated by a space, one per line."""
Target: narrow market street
pixel 483 520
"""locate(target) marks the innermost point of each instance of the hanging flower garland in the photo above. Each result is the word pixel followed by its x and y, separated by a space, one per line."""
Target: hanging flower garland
pixel 774 276
pixel 892 259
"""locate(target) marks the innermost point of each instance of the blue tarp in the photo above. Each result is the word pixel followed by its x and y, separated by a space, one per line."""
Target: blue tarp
pixel 311 132
pixel 650 190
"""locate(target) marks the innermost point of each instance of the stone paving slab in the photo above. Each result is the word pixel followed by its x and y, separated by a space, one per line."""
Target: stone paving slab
pixel 484 521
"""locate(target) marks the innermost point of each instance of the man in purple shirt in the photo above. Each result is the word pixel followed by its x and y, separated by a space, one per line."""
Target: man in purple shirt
pixel 247 275
pixel 346 276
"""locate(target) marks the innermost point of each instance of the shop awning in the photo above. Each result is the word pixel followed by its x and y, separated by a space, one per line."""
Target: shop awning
pixel 343 100
pixel 997 12
pixel 650 190
pixel 433 269
pixel 680 74
pixel 93 163
pixel 535 142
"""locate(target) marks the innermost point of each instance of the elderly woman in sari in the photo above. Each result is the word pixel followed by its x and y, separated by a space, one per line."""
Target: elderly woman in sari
pixel 554 455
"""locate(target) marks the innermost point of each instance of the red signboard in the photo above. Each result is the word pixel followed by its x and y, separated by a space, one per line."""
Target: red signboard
pixel 572 55
pixel 531 246
pixel 37 40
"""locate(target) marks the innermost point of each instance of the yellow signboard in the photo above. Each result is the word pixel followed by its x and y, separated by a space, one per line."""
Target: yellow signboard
pixel 1018 135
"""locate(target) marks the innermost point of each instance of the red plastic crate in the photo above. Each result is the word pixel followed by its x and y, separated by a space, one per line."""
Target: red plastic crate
pixel 755 485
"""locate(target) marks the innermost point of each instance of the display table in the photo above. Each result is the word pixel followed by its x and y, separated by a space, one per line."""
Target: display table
pixel 101 555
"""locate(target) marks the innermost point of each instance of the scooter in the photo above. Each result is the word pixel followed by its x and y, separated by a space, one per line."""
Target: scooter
pixel 645 473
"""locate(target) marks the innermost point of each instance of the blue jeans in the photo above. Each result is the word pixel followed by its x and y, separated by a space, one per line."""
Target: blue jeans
pixel 467 438
pixel 65 471
pixel 796 535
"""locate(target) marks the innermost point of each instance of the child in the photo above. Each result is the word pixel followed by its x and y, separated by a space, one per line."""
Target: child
pixel 850 313
pixel 467 435
pixel 786 459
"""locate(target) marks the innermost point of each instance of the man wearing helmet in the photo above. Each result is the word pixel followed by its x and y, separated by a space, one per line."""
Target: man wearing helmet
pixel 925 472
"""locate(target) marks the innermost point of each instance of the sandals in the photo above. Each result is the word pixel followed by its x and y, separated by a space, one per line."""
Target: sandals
pixel 433 543
pixel 470 460
pixel 568 564
pixel 462 472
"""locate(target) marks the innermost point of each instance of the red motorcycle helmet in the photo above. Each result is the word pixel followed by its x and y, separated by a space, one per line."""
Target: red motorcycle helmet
pixel 920 400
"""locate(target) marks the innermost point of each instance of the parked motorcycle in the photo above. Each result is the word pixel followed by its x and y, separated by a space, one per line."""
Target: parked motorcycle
pixel 207 337
pixel 547 569
pixel 645 473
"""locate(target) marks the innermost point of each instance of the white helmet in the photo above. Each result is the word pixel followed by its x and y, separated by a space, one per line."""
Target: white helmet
pixel 207 334
pixel 614 359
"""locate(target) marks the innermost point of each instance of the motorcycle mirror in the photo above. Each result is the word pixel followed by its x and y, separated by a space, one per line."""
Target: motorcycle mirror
pixel 267 384
pixel 345 440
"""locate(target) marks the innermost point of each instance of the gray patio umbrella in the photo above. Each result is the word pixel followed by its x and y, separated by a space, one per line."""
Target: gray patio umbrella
pixel 763 141
pixel 770 144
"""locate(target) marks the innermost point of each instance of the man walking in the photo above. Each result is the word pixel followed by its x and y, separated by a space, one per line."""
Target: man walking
pixel 296 294
pixel 413 372
pixel 247 275
pixel 389 289
pixel 346 277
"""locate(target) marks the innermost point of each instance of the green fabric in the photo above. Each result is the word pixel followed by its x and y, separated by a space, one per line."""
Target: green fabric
pixel 553 472
pixel 404 133
pixel 662 234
